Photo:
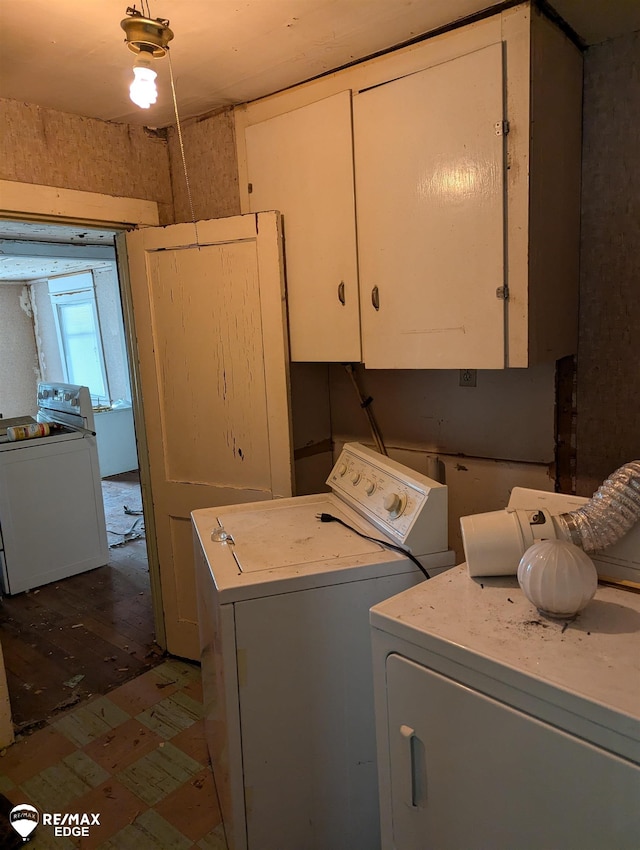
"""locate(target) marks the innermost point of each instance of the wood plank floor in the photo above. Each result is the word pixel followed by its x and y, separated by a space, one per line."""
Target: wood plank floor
pixel 88 633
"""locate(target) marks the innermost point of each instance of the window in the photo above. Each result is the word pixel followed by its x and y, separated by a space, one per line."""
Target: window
pixel 78 328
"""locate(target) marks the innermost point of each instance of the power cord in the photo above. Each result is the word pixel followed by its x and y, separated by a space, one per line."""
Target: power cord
pixel 331 518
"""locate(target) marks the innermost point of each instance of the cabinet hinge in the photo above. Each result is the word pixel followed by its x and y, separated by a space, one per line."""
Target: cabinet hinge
pixel 502 128
pixel 503 292
pixel 249 188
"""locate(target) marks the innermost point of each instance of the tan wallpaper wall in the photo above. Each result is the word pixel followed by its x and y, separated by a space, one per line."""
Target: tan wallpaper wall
pixel 57 149
pixel 608 395
pixel 210 155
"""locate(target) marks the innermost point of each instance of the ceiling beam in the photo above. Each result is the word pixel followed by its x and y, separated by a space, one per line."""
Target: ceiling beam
pixel 26 200
pixel 26 249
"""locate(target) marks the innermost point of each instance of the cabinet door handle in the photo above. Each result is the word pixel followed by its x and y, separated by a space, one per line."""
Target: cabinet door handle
pixel 341 297
pixel 375 298
pixel 408 768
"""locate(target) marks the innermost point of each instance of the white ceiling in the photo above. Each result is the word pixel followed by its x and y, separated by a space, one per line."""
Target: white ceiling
pixel 71 56
pixel 32 251
pixel 45 232
pixel 19 270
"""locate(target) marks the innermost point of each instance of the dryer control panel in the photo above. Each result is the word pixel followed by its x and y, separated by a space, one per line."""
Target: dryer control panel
pixel 408 507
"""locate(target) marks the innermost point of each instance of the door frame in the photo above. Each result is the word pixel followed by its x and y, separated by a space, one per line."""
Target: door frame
pixel 35 202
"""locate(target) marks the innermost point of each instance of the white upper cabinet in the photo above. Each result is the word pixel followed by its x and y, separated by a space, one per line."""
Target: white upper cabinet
pixel 301 163
pixel 429 168
pixel 465 157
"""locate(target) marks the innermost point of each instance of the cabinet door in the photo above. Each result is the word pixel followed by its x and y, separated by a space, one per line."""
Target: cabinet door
pixel 468 771
pixel 429 164
pixel 301 163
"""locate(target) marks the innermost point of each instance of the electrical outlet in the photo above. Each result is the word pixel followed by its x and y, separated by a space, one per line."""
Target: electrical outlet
pixel 467 377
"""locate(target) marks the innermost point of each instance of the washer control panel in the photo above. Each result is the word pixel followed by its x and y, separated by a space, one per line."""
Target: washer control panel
pixel 407 506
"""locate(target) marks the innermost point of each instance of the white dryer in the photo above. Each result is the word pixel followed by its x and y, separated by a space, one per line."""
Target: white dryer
pixel 499 728
pixel 283 606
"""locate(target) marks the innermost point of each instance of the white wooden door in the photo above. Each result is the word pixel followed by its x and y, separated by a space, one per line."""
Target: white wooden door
pixel 210 327
pixel 301 163
pixel 430 198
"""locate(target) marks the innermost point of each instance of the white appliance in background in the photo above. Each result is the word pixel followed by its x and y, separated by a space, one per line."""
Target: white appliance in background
pixel 283 607
pixel 499 728
pixel 52 521
pixel 116 439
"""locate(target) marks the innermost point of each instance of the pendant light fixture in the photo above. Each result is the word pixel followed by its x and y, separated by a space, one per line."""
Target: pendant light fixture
pixel 148 38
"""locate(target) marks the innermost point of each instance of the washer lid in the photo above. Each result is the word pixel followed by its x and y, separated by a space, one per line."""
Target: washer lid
pixel 292 536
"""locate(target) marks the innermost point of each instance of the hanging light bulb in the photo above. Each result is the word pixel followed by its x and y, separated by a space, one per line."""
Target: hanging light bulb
pixel 143 91
pixel 149 38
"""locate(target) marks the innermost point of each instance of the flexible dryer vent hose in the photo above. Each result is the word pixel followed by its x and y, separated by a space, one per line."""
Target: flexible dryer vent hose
pixel 610 513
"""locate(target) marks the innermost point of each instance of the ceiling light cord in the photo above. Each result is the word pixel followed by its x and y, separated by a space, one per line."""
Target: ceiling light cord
pixel 184 162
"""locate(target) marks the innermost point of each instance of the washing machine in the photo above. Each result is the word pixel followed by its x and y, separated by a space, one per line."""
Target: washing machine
pixel 284 592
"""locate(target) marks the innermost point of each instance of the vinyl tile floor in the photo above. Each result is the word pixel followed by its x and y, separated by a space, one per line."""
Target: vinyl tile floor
pixel 136 757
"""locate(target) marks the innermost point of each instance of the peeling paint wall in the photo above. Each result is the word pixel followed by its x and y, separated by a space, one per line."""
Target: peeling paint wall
pixel 210 156
pixel 608 393
pixel 45 333
pixel 52 148
pixel 18 355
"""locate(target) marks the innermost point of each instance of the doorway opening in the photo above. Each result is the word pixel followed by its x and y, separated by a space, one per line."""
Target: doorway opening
pixel 61 306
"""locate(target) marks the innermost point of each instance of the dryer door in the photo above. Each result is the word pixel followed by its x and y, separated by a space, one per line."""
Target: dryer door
pixel 469 771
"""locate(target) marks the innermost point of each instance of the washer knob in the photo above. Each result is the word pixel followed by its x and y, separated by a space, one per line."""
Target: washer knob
pixel 342 468
pixel 355 476
pixel 394 503
pixel 391 502
pixel 369 487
